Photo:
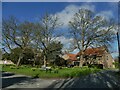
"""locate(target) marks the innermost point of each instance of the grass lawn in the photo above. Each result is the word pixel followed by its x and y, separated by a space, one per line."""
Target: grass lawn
pixel 62 73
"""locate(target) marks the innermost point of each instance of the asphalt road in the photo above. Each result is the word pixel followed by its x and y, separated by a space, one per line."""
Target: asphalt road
pixel 104 79
pixel 11 80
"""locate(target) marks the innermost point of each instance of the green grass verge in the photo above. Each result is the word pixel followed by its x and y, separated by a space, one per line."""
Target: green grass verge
pixel 62 73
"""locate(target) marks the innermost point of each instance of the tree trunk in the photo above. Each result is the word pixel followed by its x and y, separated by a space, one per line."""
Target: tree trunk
pixel 20 57
pixel 82 49
pixel 19 60
pixel 44 60
pixel 34 62
pixel 81 61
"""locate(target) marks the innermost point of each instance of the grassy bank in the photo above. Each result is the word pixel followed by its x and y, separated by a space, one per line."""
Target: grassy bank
pixel 61 73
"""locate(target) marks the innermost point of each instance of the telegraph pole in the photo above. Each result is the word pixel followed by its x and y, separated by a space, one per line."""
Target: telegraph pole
pixel 118 35
pixel 118 50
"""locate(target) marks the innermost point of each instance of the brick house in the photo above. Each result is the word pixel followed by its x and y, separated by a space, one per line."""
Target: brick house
pixel 99 55
pixel 71 59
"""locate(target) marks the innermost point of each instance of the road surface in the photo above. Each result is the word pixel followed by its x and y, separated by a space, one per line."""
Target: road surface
pixel 103 79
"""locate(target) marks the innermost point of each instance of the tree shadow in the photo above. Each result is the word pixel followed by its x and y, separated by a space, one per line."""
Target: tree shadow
pixel 7 74
pixel 104 79
pixel 13 80
pixel 98 80
pixel 8 79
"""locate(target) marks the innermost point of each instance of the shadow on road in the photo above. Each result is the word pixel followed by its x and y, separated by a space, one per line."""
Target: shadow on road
pixel 7 74
pixel 8 80
pixel 104 79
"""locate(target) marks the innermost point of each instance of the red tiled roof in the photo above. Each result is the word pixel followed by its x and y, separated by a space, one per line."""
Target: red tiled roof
pixel 94 51
pixel 90 51
pixel 72 57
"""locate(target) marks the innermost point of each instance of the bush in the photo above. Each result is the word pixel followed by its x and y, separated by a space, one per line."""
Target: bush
pixel 35 76
pixel 12 67
pixel 60 67
pixel 99 66
pixel 10 64
pixel 116 64
pixel 56 70
pixel 76 67
pixel 26 66
pixel 22 67
pixel 37 66
pixel 17 67
pixel 33 69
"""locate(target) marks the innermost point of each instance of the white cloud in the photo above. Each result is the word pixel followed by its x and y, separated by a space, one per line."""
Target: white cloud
pixel 106 14
pixel 64 40
pixel 115 54
pixel 67 42
pixel 67 14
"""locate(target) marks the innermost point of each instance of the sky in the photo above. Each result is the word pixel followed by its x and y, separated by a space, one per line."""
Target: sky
pixel 65 10
pixel 60 0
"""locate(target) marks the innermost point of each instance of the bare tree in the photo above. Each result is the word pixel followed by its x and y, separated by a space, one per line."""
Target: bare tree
pixel 89 30
pixel 29 35
pixel 44 34
pixel 16 34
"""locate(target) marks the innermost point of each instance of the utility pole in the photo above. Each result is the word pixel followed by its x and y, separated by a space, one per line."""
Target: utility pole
pixel 118 35
pixel 118 50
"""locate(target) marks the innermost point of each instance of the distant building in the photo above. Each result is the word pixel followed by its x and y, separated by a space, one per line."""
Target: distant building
pixel 99 55
pixel 6 62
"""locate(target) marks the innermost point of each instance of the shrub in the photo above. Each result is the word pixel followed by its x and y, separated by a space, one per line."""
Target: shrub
pixel 17 67
pixel 116 64
pixel 35 76
pixel 56 70
pixel 22 67
pixel 76 67
pixel 12 67
pixel 33 69
pixel 60 67
pixel 37 66
pixel 99 66
pixel 27 66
